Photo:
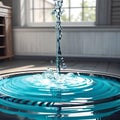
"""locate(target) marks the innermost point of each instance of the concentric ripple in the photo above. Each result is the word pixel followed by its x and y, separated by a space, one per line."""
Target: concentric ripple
pixel 66 96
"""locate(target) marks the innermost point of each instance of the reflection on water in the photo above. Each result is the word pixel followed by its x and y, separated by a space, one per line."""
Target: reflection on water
pixel 50 95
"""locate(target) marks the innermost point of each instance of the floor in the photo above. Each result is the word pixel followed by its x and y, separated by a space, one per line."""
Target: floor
pixel 25 64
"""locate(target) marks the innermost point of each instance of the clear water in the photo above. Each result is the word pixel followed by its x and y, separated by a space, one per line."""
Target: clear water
pixel 50 96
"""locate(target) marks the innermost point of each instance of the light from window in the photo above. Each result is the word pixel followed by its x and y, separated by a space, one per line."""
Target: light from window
pixel 74 11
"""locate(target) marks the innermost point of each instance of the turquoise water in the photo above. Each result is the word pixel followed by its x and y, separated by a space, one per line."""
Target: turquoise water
pixel 50 96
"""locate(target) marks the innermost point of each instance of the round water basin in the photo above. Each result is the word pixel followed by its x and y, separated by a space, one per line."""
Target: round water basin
pixel 46 95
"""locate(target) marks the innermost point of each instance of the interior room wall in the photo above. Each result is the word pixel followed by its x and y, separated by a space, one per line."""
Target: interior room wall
pixel 101 40
pixel 115 12
pixel 7 2
pixel 103 12
pixel 16 18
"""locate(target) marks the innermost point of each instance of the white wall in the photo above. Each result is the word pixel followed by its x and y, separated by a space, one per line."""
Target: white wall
pixel 76 42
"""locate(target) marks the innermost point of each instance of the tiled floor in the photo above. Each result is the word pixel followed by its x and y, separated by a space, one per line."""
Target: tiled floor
pixel 18 64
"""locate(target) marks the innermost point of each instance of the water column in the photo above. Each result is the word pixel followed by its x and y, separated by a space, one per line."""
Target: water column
pixel 58 12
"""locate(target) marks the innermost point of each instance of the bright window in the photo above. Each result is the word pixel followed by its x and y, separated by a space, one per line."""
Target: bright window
pixel 74 11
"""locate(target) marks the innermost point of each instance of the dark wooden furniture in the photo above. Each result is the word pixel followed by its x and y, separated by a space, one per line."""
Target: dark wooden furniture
pixel 6 50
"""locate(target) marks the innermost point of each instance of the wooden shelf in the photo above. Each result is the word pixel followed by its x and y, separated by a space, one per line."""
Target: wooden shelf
pixel 2 35
pixel 5 32
pixel 2 46
pixel 2 25
pixel 5 57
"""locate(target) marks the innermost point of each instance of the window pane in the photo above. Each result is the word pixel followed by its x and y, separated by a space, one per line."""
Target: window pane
pixel 37 3
pixel 31 3
pixel 76 3
pixel 89 14
pixel 65 3
pixel 49 4
pixel 36 16
pixel 65 16
pixel 48 16
pixel 76 15
pixel 89 3
pixel 31 16
pixel 74 11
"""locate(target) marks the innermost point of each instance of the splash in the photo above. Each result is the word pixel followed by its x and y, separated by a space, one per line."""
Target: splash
pixel 53 96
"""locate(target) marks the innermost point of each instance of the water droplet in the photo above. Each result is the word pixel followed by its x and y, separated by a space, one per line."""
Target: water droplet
pixel 91 74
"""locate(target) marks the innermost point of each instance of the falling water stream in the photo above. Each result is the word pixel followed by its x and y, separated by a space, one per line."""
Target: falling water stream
pixel 58 12
pixel 56 95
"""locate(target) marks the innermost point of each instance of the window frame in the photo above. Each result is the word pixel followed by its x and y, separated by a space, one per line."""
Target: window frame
pixel 52 24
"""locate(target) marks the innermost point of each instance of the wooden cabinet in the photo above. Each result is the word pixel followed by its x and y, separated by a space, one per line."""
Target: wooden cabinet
pixel 6 50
